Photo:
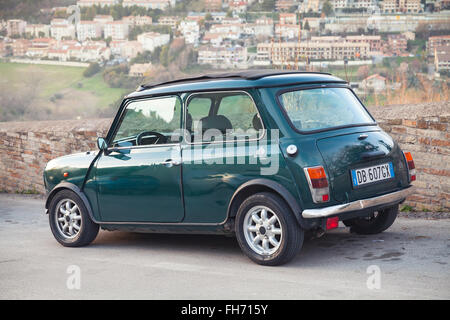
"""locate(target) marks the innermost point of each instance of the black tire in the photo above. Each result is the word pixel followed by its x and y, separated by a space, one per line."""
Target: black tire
pixel 88 230
pixel 291 238
pixel 348 223
pixel 377 224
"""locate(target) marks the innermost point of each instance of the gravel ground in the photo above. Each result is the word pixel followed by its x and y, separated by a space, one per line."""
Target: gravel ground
pixel 411 260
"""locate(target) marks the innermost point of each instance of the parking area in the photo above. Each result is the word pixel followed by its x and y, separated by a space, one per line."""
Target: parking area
pixel 409 261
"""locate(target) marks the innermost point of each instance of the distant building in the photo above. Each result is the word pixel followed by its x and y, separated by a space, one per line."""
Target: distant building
pixel 287 31
pixel 126 49
pixel 37 30
pixel 39 47
pixel 443 4
pixel 310 6
pixel 90 51
pixel 88 30
pixel 442 58
pixel 152 40
pixel 15 27
pixel 20 47
pixel 255 29
pixel 396 44
pixel 103 19
pixel 375 42
pixel 58 54
pixel 353 4
pixel 284 5
pixel 215 39
pixel 374 82
pixel 149 4
pixel 238 7
pixel 140 70
pixel 169 21
pixel 288 18
pixel 213 5
pixel 437 41
pixel 223 57
pixel 137 20
pixel 190 29
pixel 117 30
pixel 401 6
pixel 319 48
pixel 101 3
pixel 5 49
pixel 62 29
pixel 264 20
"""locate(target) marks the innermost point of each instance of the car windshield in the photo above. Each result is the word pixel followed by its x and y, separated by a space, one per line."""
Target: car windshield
pixel 323 108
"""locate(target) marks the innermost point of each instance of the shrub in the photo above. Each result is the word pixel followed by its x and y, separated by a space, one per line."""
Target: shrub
pixel 91 70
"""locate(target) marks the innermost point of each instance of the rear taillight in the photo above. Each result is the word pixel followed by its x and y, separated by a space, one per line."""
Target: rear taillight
pixel 318 184
pixel 411 166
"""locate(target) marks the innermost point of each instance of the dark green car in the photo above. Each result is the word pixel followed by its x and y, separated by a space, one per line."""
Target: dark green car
pixel 266 155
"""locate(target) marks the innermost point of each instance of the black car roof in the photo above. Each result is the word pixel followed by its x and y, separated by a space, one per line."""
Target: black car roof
pixel 252 74
pixel 236 80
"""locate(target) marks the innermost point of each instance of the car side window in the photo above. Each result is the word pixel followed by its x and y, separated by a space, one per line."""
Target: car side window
pixel 149 121
pixel 241 111
pixel 224 115
pixel 199 107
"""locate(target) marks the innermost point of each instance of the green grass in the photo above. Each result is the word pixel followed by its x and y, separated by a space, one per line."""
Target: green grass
pixel 99 88
pixel 80 96
pixel 406 208
pixel 51 78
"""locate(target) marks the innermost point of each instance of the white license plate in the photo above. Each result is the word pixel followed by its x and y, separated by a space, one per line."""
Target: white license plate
pixel 372 174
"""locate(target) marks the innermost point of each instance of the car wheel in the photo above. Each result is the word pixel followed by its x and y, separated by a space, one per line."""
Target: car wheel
pixel 378 222
pixel 267 230
pixel 69 220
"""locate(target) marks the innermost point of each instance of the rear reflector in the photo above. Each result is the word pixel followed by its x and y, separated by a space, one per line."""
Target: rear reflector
pixel 332 223
pixel 411 166
pixel 318 184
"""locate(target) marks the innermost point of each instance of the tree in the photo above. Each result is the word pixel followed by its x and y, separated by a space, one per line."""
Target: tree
pixel 306 25
pixel 327 8
pixel 91 70
pixel 363 72
pixel 90 14
pixel 268 5
pixel 164 56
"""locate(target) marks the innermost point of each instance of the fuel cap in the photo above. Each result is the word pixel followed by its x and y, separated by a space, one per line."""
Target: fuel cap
pixel 291 150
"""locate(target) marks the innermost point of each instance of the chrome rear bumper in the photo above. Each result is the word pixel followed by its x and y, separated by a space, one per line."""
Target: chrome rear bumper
pixel 394 197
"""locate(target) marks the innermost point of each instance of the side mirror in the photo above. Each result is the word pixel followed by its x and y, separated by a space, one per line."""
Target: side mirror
pixel 101 144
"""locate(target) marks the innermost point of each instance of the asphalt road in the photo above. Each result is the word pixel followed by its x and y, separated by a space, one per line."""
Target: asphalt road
pixel 412 258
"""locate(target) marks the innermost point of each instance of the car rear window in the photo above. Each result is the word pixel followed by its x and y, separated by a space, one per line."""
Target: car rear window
pixel 323 108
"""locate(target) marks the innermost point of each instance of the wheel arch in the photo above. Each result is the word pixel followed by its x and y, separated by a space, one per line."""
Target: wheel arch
pixel 74 188
pixel 264 185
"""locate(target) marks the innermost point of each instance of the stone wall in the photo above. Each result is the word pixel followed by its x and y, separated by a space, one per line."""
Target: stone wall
pixel 423 130
pixel 25 148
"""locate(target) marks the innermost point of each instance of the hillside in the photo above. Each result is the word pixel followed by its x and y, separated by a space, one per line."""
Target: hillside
pixel 37 92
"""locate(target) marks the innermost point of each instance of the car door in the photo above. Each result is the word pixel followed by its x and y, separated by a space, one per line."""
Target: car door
pixel 139 177
pixel 219 153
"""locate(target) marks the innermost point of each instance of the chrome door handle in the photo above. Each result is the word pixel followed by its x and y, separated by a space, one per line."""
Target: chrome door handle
pixel 171 162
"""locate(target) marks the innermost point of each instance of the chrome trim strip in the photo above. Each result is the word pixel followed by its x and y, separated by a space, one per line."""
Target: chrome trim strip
pixel 393 197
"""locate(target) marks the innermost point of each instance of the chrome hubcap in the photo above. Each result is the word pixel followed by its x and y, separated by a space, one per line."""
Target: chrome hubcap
pixel 68 218
pixel 262 230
